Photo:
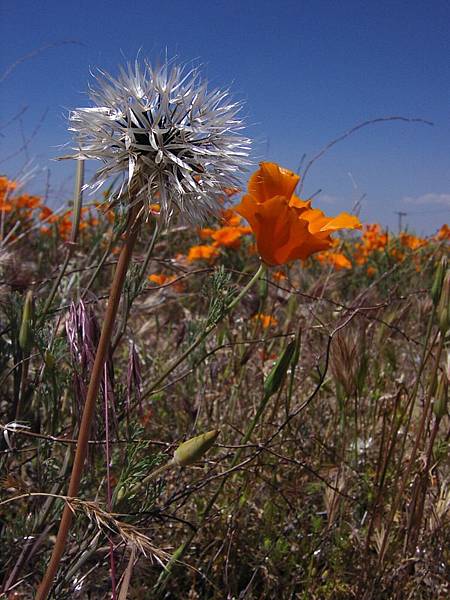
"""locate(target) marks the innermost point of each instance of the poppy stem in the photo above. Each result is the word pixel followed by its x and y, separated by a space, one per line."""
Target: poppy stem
pixel 91 398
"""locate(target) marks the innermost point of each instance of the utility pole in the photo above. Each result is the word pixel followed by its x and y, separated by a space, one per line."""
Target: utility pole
pixel 400 217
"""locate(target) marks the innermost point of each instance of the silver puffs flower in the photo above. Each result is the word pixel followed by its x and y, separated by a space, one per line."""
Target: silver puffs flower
pixel 163 137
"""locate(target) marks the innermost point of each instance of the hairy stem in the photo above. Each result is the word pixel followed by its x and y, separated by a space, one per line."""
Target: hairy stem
pixel 89 406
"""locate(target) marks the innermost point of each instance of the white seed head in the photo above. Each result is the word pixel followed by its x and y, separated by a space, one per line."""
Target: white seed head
pixel 163 138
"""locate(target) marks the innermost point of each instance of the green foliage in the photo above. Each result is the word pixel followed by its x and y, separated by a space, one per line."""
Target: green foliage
pixel 220 292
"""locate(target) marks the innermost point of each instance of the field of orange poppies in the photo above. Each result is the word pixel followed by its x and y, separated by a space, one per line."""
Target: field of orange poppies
pixel 269 418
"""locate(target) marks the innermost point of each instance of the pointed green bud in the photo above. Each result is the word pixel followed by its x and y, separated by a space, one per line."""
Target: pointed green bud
pixel 436 288
pixel 443 308
pixel 49 360
pixel 278 373
pixel 441 399
pixel 25 332
pixel 192 450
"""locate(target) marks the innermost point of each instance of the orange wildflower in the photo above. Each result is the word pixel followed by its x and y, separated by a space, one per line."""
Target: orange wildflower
pixel 371 271
pixel 27 201
pixel 202 253
pixel 46 214
pixel 231 191
pixel 337 259
pixel 411 241
pixel 266 320
pixel 227 236
pixel 205 233
pixel 6 186
pixel 5 206
pixel 443 233
pixel 230 217
pixel 286 228
pixel 278 276
pixel 159 278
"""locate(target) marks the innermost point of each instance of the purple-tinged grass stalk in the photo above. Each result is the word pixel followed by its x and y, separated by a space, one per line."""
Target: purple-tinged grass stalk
pixel 90 402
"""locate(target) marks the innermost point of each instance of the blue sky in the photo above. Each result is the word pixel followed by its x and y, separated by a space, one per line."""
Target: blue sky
pixel 307 70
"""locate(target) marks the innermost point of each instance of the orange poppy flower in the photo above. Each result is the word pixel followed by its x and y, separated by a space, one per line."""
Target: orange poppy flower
pixel 202 253
pixel 227 236
pixel 46 214
pixel 205 233
pixel 337 259
pixel 230 218
pixel 266 320
pixel 159 278
pixel 286 228
pixel 411 241
pixel 162 279
pixel 443 233
pixel 5 206
pixel 279 275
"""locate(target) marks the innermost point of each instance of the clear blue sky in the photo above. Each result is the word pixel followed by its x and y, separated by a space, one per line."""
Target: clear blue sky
pixel 307 70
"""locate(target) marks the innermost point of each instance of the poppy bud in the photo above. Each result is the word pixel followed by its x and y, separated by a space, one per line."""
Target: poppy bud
pixel 278 373
pixel 441 399
pixel 192 450
pixel 436 288
pixel 443 308
pixel 25 326
pixel 49 360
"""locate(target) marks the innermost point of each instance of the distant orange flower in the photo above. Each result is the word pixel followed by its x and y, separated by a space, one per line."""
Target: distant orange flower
pixel 161 279
pixel 443 233
pixel 205 233
pixel 5 206
pixel 231 191
pixel 202 253
pixel 278 275
pixel 46 214
pixel 227 236
pixel 27 201
pixel 266 320
pixel 6 186
pixel 230 217
pixel 371 271
pixel 337 259
pixel 286 228
pixel 65 227
pixel 411 241
pixel 158 278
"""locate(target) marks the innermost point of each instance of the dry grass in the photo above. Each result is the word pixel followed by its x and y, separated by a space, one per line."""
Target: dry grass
pixel 341 491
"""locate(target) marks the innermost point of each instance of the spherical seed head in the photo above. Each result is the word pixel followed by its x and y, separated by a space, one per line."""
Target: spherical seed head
pixel 163 138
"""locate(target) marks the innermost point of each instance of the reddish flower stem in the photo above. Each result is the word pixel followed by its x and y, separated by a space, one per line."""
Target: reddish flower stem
pixel 108 484
pixel 91 398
